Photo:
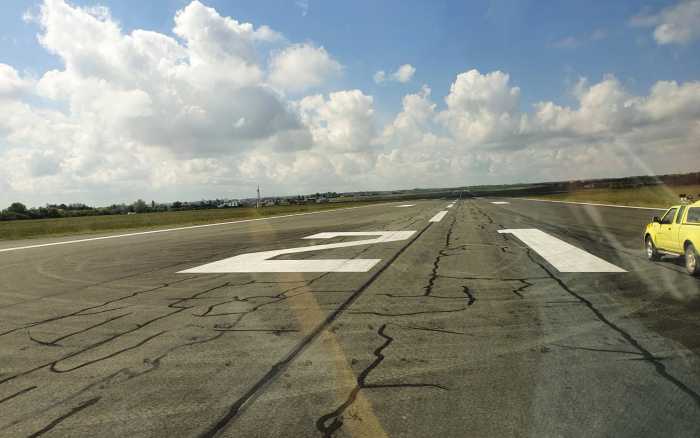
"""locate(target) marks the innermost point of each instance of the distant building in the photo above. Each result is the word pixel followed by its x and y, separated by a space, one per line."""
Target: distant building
pixel 227 203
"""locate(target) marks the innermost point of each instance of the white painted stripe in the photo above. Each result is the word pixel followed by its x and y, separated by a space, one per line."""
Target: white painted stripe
pixel 561 255
pixel 438 217
pixel 260 261
pixel 593 204
pixel 500 202
pixel 405 205
pixel 189 227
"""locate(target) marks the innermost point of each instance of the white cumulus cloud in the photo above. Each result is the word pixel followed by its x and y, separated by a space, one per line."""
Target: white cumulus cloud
pixel 342 122
pixel 301 66
pixel 403 74
pixel 11 83
pixel 481 107
pixel 677 24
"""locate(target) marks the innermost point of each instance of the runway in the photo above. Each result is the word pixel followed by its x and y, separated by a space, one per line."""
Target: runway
pixel 434 318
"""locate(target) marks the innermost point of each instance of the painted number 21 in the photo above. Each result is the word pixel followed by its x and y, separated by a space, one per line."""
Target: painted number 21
pixel 261 261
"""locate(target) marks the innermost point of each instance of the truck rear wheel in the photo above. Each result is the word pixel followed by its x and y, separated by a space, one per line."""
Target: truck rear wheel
pixel 650 249
pixel 691 260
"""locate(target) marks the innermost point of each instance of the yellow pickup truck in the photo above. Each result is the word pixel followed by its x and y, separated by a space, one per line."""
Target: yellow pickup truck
pixel 677 232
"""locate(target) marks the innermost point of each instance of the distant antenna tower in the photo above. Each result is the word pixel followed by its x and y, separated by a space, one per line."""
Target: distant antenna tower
pixel 258 203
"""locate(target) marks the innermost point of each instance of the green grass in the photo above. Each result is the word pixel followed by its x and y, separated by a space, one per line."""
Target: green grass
pixel 661 196
pixel 23 229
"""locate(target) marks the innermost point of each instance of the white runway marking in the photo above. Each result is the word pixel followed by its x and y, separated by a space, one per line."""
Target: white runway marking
pixel 190 227
pixel 438 217
pixel 593 204
pixel 561 255
pixel 405 205
pixel 500 202
pixel 259 261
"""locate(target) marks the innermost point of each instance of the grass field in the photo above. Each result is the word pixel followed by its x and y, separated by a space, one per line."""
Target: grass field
pixel 23 229
pixel 660 196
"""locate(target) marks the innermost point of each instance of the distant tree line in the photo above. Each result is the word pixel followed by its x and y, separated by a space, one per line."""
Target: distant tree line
pixel 635 181
pixel 19 211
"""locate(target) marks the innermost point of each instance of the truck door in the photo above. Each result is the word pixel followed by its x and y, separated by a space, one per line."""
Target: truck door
pixel 674 237
pixel 663 237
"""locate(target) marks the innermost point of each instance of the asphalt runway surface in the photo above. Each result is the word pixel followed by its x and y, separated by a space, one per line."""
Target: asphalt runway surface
pixel 454 330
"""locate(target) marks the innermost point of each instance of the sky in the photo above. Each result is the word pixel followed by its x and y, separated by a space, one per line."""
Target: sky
pixel 183 100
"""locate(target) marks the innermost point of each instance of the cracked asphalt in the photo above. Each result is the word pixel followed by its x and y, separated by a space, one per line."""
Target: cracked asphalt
pixel 458 331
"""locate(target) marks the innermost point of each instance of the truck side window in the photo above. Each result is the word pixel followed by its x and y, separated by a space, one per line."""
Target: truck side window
pixel 680 214
pixel 668 217
pixel 693 215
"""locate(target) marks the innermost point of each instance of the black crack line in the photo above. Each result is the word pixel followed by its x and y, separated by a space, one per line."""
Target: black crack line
pixel 328 424
pixel 129 374
pixel 263 330
pixel 102 311
pixel 55 342
pixel 493 278
pixel 155 362
pixel 469 294
pixel 481 212
pixel 472 245
pixel 421 296
pixel 99 283
pixel 211 308
pixel 426 312
pixel 427 329
pixel 518 291
pixel 599 350
pixel 659 358
pixel 17 394
pixel 106 303
pixel 77 394
pixel 274 299
pixel 436 263
pixel 278 282
pixel 198 297
pixel 53 366
pixel 70 413
pixel 405 385
pixel 646 354
pixel 178 304
pixel 428 288
pixel 283 364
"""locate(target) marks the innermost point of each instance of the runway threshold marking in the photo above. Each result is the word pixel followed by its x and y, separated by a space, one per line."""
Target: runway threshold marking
pixel 500 202
pixel 438 217
pixel 189 227
pixel 563 256
pixel 260 261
